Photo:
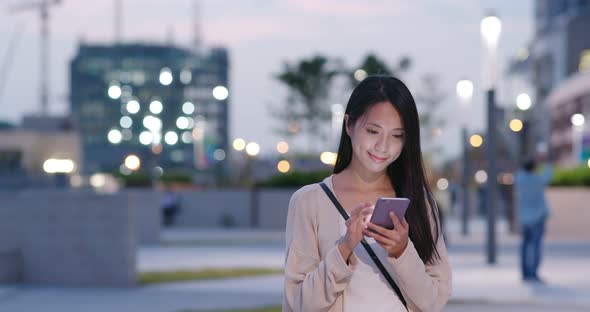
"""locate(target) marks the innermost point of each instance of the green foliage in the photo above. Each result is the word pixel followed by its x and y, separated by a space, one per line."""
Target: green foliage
pixel 143 179
pixel 571 177
pixel 136 179
pixel 294 179
pixel 6 125
pixel 176 177
pixel 308 82
pixel 373 65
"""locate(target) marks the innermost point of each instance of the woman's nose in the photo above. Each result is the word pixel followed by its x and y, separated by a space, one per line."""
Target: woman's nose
pixel 382 144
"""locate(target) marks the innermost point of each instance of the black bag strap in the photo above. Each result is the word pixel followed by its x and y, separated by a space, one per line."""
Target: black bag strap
pixel 366 245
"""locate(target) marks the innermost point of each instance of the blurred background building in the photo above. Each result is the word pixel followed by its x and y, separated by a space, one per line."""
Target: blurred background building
pixel 560 49
pixel 164 104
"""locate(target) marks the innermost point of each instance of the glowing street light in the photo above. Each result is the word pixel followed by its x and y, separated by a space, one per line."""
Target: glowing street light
pixel 516 125
pixel 133 107
pixel 282 147
pixel 252 148
pixel 578 120
pixel 171 138
pixel 239 144
pixel 283 166
pixel 126 122
pixel 156 107
pixel 188 108
pixel 442 184
pixel 328 158
pixel 465 90
pixel 186 76
pixel 360 75
pixel 132 162
pixel 523 101
pixel 166 76
pixel 58 166
pixel 115 136
pixel 476 140
pixel 114 91
pixel 219 154
pixel 220 93
pixel 146 138
pixel 481 177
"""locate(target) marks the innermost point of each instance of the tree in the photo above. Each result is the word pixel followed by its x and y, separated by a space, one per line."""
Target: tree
pixel 428 100
pixel 308 82
pixel 372 65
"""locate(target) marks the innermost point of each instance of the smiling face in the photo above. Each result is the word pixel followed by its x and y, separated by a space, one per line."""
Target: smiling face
pixel 377 138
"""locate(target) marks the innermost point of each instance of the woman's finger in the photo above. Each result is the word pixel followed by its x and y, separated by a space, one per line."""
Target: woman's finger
pixel 396 223
pixel 381 230
pixel 384 241
pixel 405 224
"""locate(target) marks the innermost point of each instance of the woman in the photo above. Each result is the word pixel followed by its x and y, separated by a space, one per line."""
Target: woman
pixel 326 269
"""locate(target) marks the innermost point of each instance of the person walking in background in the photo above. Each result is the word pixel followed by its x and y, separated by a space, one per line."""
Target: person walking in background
pixel 529 187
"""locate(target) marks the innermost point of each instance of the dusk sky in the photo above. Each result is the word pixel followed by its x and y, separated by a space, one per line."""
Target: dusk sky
pixel 441 37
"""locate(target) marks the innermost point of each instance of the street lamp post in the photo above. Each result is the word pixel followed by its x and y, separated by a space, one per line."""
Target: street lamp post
pixel 465 93
pixel 491 27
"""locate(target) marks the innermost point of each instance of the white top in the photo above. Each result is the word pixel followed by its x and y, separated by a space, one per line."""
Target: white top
pixel 368 289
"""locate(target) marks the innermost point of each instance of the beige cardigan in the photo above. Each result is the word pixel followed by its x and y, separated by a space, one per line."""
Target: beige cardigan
pixel 316 275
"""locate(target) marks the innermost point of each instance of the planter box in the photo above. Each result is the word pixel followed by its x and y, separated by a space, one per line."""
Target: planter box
pixel 570 213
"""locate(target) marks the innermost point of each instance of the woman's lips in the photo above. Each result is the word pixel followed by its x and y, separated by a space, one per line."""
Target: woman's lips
pixel 377 159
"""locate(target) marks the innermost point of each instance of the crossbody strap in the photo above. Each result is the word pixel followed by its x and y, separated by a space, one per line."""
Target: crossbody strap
pixel 366 245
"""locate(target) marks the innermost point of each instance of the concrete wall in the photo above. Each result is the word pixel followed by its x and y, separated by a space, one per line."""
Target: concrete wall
pixel 80 238
pixel 10 256
pixel 272 207
pixel 146 205
pixel 68 238
pixel 262 208
pixel 214 208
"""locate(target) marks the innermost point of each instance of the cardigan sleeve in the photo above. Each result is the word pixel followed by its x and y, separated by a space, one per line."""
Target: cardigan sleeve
pixel 426 287
pixel 311 283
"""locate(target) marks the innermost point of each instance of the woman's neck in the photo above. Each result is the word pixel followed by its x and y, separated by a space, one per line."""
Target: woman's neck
pixel 363 180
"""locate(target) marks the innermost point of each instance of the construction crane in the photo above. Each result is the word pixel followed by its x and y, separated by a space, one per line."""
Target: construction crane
pixel 8 58
pixel 43 7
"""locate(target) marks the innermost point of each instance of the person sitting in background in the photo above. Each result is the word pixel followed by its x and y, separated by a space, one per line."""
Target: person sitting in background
pixel 170 207
pixel 529 187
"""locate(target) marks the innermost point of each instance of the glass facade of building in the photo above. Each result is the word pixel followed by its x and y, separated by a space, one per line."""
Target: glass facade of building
pixel 164 104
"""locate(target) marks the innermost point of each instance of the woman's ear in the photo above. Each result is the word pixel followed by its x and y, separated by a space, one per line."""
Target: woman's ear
pixel 348 128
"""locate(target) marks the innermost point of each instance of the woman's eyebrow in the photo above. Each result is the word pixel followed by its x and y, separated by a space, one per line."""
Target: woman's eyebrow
pixel 376 125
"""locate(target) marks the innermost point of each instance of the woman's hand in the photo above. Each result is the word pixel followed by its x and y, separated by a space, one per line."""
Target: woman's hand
pixel 355 227
pixel 393 241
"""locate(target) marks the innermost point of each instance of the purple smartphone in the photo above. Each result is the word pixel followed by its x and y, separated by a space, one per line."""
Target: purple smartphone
pixel 384 205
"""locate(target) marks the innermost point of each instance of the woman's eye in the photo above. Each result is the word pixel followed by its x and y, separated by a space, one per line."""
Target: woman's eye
pixel 398 136
pixel 371 131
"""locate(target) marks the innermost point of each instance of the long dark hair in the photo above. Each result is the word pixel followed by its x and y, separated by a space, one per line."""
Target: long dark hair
pixel 406 173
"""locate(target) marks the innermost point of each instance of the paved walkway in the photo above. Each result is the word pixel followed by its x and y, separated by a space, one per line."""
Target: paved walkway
pixel 477 286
